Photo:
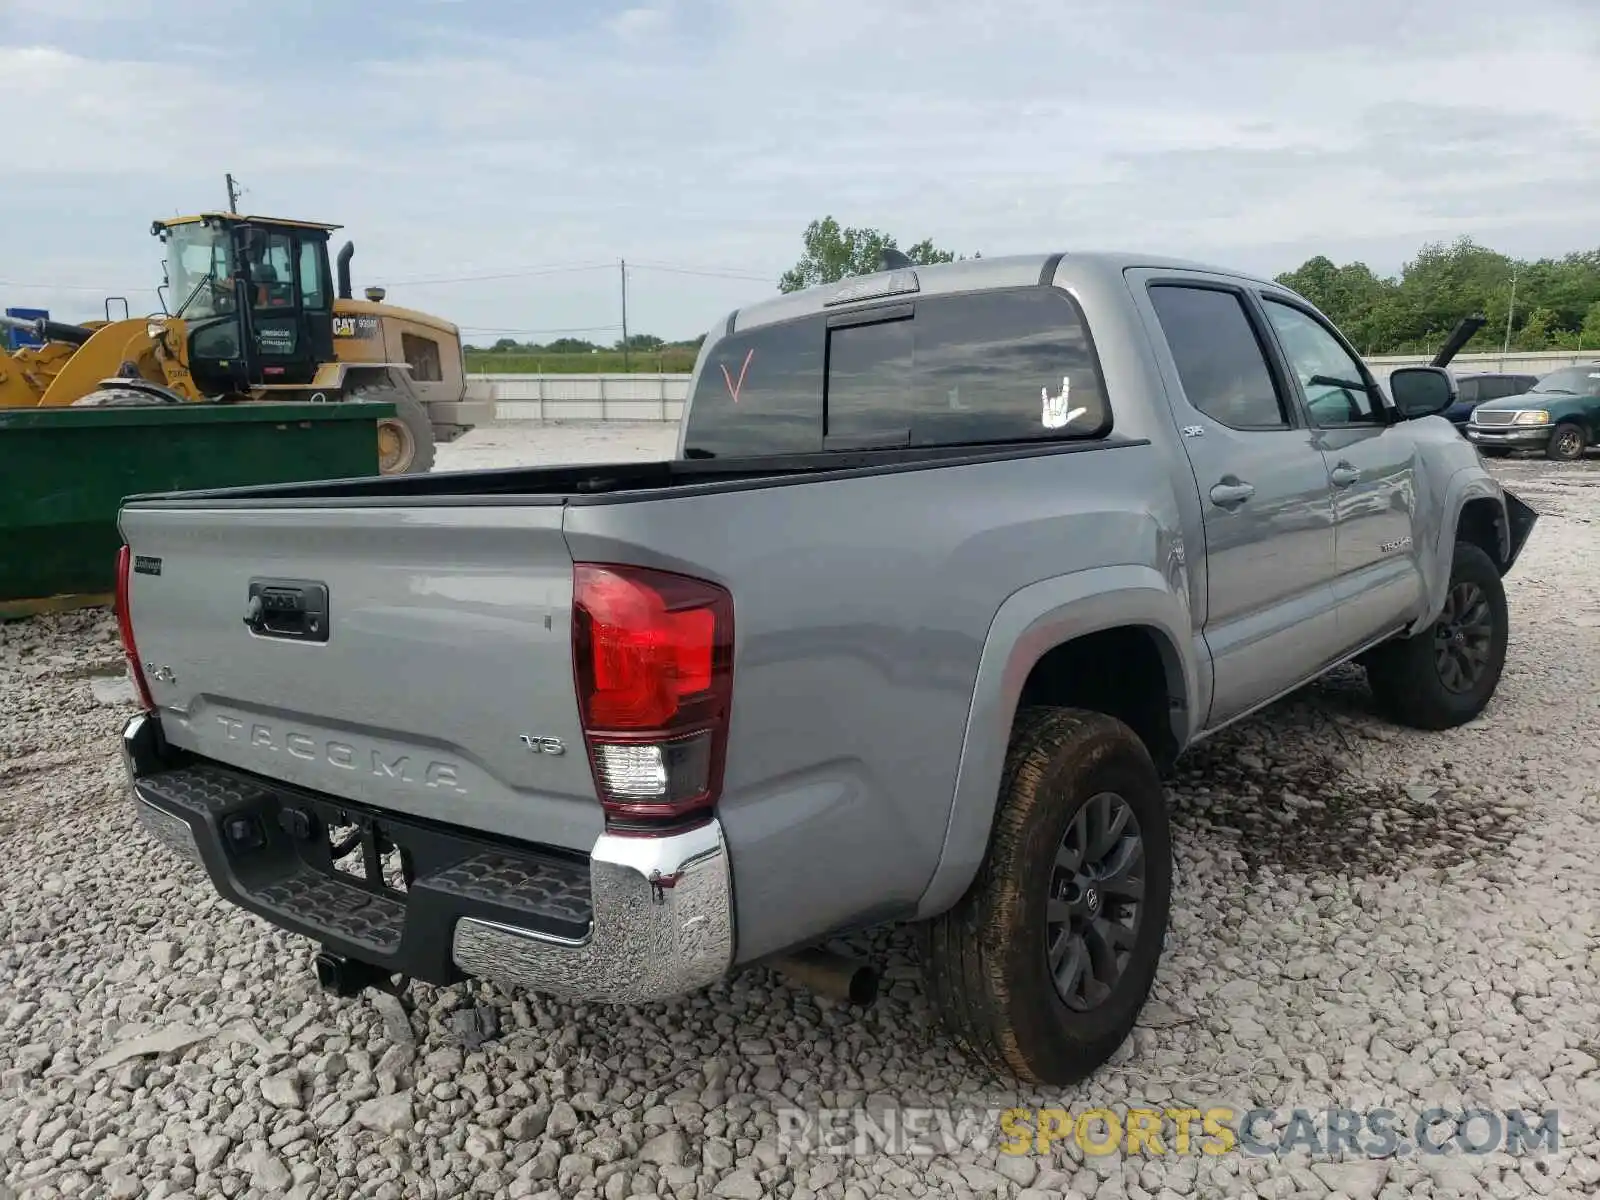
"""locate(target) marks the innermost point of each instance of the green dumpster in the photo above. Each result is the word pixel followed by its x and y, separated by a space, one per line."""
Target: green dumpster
pixel 64 473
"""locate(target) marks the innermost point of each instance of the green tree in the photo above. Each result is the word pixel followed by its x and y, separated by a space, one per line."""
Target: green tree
pixel 1539 331
pixel 641 341
pixel 1589 336
pixel 834 252
pixel 1415 312
pixel 568 345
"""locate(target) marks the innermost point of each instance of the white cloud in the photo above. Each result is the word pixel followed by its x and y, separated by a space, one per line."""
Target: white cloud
pixel 707 135
pixel 639 23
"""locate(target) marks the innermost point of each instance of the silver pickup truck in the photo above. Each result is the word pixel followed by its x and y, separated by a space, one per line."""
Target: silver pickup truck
pixel 949 563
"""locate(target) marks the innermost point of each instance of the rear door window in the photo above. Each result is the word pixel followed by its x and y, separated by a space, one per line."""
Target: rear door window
pixel 1220 361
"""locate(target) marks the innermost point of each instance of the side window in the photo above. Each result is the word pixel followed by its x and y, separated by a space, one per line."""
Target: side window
pixel 1220 361
pixel 272 270
pixel 1007 365
pixel 313 287
pixel 869 384
pixel 760 393
pixel 422 354
pixel 1468 391
pixel 1335 391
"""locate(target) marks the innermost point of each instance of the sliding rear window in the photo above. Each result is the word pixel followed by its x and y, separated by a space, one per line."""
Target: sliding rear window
pixel 995 366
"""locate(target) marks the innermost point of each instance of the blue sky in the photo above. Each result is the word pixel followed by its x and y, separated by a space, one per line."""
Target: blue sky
pixel 539 142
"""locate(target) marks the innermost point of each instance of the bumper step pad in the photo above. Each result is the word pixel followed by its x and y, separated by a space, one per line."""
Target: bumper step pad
pixel 267 847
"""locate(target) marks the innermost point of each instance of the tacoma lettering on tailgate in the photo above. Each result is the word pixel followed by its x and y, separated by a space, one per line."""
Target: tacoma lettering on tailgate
pixel 398 767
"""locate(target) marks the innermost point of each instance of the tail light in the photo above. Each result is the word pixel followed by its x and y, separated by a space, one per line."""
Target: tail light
pixel 125 628
pixel 653 655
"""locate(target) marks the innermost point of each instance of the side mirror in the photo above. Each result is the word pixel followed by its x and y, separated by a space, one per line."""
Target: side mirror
pixel 1421 391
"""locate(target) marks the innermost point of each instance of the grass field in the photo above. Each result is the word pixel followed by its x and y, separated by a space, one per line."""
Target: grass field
pixel 605 362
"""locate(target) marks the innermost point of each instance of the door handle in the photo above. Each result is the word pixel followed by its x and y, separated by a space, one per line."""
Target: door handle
pixel 1344 475
pixel 1231 492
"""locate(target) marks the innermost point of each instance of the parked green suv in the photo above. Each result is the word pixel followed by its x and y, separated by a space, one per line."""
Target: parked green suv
pixel 1559 415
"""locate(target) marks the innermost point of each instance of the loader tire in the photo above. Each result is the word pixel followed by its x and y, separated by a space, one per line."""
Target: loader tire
pixel 118 398
pixel 405 441
pixel 1042 968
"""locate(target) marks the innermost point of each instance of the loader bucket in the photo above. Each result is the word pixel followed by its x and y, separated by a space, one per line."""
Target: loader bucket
pixel 65 471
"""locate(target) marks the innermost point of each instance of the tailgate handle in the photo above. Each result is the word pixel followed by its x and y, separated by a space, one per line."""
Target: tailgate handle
pixel 296 609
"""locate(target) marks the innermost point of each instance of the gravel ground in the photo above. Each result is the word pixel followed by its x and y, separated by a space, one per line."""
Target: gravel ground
pixel 1364 916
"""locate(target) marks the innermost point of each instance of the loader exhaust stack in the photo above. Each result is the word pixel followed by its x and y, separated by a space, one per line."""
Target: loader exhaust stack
pixel 345 254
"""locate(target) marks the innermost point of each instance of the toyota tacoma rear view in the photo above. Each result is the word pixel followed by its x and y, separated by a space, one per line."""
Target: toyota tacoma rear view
pixel 950 563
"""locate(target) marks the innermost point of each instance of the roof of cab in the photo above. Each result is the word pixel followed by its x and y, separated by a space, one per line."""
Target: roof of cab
pixel 973 274
pixel 242 217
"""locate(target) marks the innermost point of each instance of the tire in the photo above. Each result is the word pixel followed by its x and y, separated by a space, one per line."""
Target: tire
pixel 1566 443
pixel 119 398
pixel 1413 680
pixel 405 442
pixel 986 962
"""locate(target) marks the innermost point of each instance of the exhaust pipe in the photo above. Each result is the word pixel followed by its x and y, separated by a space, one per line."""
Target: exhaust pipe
pixel 345 254
pixel 830 974
pixel 346 977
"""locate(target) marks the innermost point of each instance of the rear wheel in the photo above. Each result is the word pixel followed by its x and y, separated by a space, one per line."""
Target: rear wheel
pixel 1043 966
pixel 123 398
pixel 1566 443
pixel 1445 675
pixel 405 441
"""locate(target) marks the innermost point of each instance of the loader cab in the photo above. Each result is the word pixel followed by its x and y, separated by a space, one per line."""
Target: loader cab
pixel 256 296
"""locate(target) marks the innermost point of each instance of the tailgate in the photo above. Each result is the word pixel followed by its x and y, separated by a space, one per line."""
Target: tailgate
pixel 443 688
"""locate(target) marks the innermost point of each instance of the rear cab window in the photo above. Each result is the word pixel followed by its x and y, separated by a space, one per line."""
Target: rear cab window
pixel 1007 365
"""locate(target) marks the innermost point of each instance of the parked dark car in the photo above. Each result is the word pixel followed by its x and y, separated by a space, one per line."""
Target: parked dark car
pixel 1473 390
pixel 1559 415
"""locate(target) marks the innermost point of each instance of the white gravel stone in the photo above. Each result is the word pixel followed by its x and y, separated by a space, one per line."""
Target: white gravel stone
pixel 1444 953
pixel 386 1114
pixel 282 1090
pixel 665 1149
pixel 209 1150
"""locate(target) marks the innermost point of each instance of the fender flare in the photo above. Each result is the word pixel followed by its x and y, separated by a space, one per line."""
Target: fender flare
pixel 1465 486
pixel 1032 621
pixel 343 376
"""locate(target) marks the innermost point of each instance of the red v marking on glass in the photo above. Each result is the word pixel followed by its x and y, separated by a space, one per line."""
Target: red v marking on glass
pixel 734 388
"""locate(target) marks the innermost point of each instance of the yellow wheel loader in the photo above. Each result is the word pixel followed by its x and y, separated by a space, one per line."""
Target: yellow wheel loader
pixel 257 315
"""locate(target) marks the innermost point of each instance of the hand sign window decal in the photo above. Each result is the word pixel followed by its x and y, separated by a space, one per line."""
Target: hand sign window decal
pixel 1056 411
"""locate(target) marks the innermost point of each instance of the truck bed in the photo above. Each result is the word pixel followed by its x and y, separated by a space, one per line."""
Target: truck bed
pixel 612 482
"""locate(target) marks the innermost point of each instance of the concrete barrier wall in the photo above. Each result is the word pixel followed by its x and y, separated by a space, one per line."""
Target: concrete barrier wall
pixel 584 397
pixel 1535 363
pixel 662 397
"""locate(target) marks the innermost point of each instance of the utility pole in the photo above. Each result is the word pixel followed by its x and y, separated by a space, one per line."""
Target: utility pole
pixel 1505 347
pixel 233 195
pixel 623 264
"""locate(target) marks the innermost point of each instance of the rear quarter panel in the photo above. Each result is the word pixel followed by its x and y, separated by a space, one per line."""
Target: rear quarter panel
pixel 861 610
